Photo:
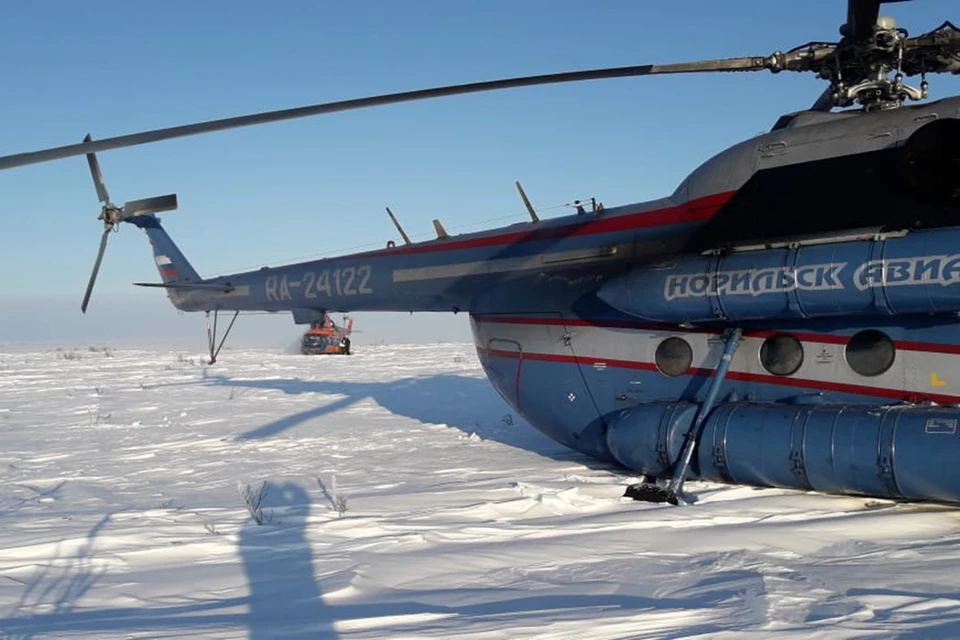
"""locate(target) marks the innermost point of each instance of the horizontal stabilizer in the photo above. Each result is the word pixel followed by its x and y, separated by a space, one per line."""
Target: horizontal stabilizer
pixel 199 286
pixel 150 205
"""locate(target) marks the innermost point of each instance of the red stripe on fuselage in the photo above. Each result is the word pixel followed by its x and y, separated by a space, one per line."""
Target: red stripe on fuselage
pixel 697 210
pixel 822 338
pixel 800 383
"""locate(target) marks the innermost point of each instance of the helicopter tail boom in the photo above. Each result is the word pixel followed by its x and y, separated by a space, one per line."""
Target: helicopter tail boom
pixel 176 272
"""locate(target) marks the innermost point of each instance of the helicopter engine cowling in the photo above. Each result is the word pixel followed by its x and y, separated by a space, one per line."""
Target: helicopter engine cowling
pixel 931 161
pixel 901 452
pixel 896 274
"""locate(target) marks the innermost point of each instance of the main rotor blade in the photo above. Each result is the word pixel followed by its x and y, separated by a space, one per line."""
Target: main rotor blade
pixel 97 175
pixel 936 51
pixel 33 157
pixel 96 268
pixel 862 17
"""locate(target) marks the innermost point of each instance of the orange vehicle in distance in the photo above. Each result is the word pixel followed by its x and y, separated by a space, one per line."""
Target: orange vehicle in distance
pixel 326 337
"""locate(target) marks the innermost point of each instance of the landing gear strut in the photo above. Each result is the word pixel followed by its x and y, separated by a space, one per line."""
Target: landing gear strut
pixel 672 493
pixel 212 334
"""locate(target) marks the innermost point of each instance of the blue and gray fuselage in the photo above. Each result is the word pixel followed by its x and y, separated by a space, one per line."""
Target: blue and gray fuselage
pixel 603 329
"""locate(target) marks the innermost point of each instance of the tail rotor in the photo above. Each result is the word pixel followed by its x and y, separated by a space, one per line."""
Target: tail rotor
pixel 96 268
pixel 112 215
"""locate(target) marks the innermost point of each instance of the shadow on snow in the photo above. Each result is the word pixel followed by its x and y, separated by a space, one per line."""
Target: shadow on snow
pixel 462 402
pixel 284 597
pixel 285 602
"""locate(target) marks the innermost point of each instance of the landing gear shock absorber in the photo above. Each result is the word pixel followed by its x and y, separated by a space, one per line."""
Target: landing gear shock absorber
pixel 672 493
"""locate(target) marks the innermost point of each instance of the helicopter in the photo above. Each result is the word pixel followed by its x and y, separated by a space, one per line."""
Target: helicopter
pixel 325 337
pixel 734 331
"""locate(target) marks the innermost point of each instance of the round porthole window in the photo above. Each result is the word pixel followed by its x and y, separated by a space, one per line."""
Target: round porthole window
pixel 781 354
pixel 674 356
pixel 870 352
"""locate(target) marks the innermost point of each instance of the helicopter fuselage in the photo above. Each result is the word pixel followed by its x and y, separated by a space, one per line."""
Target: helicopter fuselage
pixel 829 241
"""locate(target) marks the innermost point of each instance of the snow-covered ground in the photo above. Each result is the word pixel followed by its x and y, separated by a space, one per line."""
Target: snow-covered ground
pixel 121 515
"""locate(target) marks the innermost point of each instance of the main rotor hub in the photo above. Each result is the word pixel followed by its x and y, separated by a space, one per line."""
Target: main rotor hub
pixel 886 36
pixel 862 71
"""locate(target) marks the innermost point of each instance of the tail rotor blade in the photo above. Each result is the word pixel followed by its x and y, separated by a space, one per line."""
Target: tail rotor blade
pixel 96 269
pixel 150 205
pixel 97 176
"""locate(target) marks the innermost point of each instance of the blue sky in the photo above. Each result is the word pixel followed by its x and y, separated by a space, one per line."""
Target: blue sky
pixel 316 187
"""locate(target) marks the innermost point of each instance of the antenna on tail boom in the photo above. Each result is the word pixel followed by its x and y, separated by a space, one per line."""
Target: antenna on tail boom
pixel 526 203
pixel 403 234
